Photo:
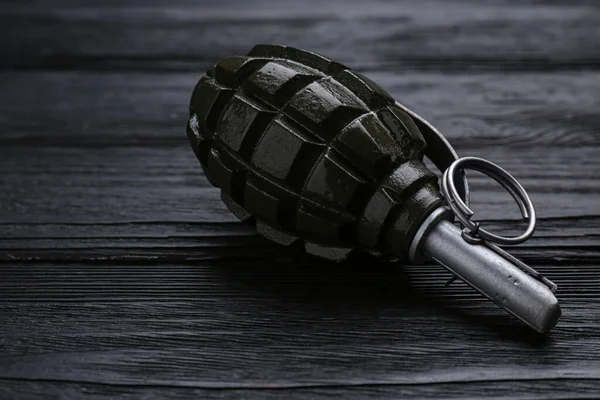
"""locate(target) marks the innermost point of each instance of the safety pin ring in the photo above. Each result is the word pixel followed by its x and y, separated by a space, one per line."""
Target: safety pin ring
pixel 464 213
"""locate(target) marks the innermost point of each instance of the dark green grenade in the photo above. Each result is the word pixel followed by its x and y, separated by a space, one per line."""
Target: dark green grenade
pixel 312 152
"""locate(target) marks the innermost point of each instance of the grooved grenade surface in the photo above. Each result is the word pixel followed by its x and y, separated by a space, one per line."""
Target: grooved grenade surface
pixel 311 151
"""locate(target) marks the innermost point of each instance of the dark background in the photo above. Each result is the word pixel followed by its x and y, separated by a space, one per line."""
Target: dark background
pixel 122 273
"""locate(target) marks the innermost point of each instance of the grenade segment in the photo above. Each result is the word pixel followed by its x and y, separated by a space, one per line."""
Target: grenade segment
pixel 313 151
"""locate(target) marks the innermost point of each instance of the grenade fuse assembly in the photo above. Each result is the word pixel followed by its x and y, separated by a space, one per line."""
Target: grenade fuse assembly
pixel 312 151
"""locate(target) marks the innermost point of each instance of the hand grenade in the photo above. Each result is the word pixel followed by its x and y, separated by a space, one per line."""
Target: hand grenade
pixel 316 154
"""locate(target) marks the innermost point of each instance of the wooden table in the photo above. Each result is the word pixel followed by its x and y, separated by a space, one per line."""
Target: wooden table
pixel 123 275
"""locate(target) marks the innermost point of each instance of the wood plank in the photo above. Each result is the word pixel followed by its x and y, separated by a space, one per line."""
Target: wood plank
pixel 187 35
pixel 162 184
pixel 298 324
pixel 531 389
pixel 558 242
pixel 511 110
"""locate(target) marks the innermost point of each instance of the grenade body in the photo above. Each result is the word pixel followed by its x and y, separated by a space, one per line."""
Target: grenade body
pixel 312 152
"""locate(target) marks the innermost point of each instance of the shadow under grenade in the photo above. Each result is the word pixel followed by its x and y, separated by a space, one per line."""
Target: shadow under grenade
pixel 315 153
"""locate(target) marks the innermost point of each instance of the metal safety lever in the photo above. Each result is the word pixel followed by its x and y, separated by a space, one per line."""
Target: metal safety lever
pixel 472 253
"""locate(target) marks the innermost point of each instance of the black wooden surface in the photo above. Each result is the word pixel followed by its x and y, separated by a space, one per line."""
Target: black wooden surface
pixel 123 275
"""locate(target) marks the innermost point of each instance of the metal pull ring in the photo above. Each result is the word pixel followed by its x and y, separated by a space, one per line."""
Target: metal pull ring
pixel 464 213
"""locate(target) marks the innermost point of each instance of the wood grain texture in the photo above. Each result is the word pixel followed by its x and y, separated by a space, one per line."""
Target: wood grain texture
pixel 122 275
pixel 429 34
